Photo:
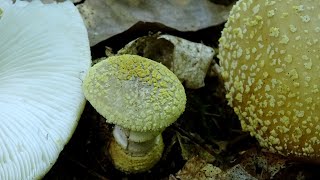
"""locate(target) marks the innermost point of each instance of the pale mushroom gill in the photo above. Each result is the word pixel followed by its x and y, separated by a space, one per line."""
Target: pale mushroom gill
pixel 44 53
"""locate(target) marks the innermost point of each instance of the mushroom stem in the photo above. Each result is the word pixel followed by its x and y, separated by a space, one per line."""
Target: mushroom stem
pixel 134 142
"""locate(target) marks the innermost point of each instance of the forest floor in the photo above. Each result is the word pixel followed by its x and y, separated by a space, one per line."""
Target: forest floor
pixel 207 132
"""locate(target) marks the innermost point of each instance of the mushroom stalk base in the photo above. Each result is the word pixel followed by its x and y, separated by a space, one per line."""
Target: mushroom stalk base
pixel 135 143
pixel 127 163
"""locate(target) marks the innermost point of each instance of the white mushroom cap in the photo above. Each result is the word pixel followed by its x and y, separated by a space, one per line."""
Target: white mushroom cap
pixel 44 53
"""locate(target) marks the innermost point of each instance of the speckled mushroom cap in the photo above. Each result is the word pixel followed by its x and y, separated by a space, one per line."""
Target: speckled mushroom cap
pixel 270 60
pixel 135 92
pixel 44 52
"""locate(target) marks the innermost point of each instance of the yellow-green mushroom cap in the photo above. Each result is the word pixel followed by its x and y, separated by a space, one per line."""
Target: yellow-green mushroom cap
pixel 270 60
pixel 135 93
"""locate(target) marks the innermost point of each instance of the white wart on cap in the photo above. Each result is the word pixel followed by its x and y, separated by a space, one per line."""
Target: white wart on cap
pixel 269 54
pixel 44 53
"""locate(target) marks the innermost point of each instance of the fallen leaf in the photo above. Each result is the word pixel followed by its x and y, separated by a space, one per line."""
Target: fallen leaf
pixel 106 18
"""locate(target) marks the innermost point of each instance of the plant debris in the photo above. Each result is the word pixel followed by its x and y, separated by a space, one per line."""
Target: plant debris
pixel 106 18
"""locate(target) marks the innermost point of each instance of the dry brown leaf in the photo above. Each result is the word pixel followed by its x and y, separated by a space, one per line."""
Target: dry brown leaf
pixel 106 18
pixel 198 169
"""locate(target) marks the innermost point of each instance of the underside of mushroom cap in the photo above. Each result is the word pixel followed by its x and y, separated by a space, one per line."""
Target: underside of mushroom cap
pixel 135 92
pixel 269 54
pixel 44 54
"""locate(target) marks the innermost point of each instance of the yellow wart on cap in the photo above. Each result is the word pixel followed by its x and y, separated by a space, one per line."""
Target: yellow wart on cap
pixel 279 70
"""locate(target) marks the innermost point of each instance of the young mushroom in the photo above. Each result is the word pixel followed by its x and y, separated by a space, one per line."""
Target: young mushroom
pixel 44 52
pixel 270 61
pixel 141 97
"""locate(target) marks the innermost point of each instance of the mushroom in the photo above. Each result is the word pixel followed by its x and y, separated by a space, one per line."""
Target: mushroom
pixel 141 97
pixel 44 53
pixel 270 61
